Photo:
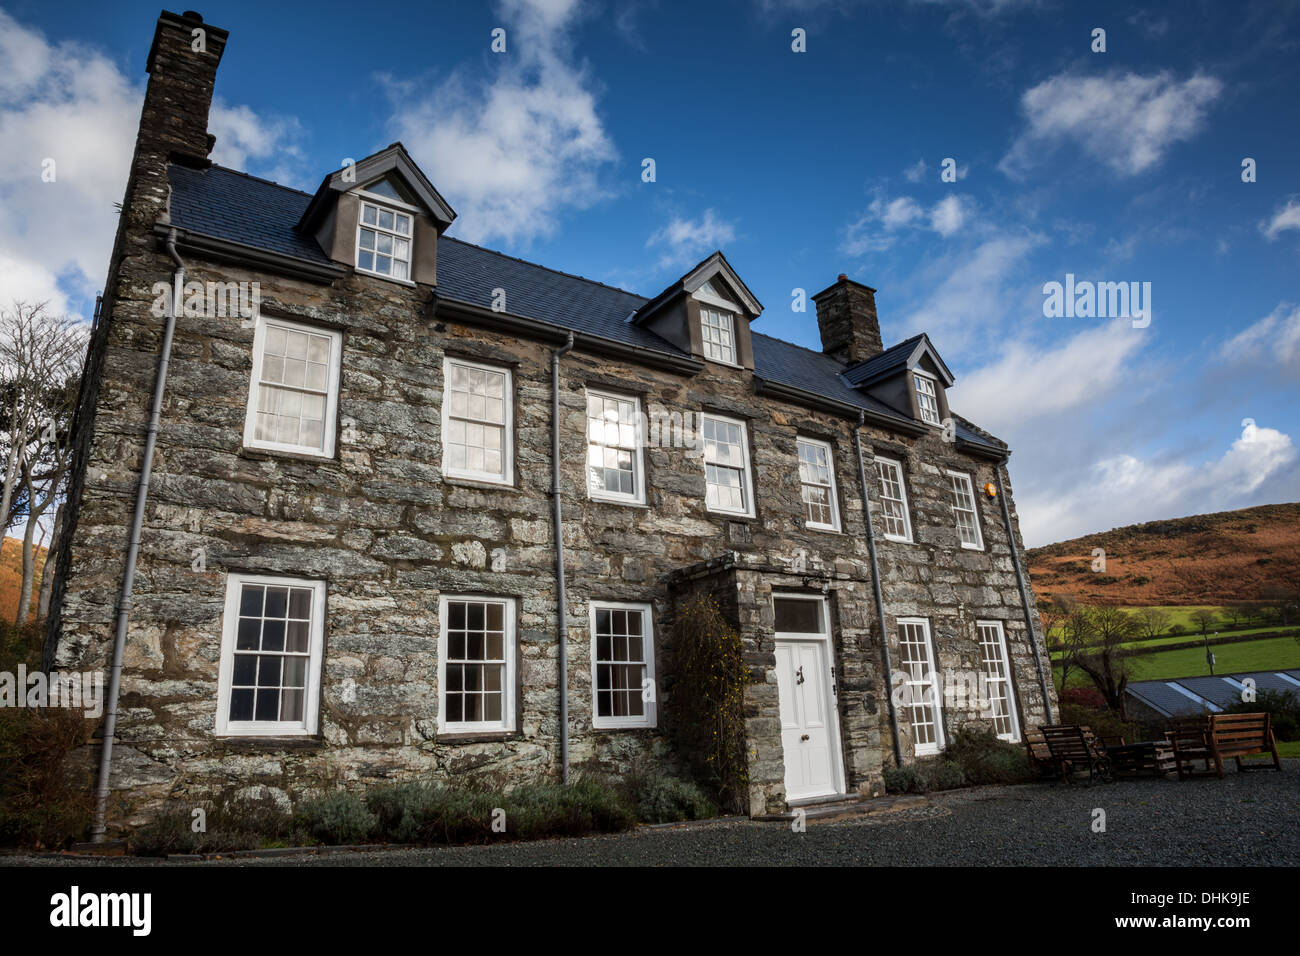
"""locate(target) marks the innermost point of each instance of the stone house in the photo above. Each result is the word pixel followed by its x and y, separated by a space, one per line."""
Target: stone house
pixel 347 567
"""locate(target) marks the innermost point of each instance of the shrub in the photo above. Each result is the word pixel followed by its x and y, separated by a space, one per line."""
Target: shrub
pixel 339 817
pixel 983 758
pixel 706 704
pixel 44 801
pixel 1088 697
pixel 1283 708
pixel 228 824
pixel 925 776
pixel 901 779
pixel 662 799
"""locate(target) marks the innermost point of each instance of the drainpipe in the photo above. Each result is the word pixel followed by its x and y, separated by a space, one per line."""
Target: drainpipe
pixel 1024 594
pixel 880 600
pixel 133 549
pixel 563 636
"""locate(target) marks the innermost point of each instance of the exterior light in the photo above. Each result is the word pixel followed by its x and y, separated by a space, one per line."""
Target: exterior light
pixel 990 489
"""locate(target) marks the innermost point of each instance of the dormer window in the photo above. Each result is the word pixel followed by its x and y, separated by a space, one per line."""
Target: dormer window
pixel 926 398
pixel 718 333
pixel 384 242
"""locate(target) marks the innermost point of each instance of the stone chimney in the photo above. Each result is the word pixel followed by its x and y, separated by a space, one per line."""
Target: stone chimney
pixel 846 318
pixel 182 69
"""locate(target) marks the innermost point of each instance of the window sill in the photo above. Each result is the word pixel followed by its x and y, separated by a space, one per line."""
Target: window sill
pixel 271 454
pixel 732 515
pixel 822 529
pixel 972 547
pixel 379 275
pixel 238 741
pixel 608 728
pixel 482 737
pixel 897 540
pixel 624 502
pixel 480 484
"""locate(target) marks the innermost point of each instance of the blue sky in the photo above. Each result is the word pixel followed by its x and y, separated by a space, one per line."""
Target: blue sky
pixel 1117 166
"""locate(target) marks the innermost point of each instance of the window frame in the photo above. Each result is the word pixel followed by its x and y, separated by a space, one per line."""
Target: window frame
pixel 917 378
pixel 648 720
pixel 729 314
pixel 638 495
pixel 747 481
pixel 935 684
pixel 978 545
pixel 509 679
pixel 507 476
pixel 902 487
pixel 329 425
pixel 834 490
pixel 310 724
pixel 1013 736
pixel 384 204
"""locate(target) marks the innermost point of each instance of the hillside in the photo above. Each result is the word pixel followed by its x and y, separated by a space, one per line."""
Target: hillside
pixel 1209 559
pixel 11 577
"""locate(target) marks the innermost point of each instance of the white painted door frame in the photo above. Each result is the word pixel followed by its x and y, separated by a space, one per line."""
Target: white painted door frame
pixel 826 684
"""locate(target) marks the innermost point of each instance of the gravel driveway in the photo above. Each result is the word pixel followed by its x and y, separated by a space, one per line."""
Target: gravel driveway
pixel 1247 820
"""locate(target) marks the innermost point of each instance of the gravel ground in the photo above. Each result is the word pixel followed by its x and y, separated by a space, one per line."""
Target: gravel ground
pixel 1245 820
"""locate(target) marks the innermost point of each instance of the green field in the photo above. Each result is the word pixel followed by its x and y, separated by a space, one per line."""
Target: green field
pixel 1184 638
pixel 1276 653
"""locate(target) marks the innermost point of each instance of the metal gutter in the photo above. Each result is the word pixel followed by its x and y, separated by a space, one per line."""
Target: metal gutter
pixel 562 612
pixel 764 386
pixel 1024 594
pixel 548 331
pixel 227 250
pixel 133 550
pixel 879 595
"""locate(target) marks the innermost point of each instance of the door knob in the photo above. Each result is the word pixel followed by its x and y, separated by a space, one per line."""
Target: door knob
pixel 804 737
pixel 798 676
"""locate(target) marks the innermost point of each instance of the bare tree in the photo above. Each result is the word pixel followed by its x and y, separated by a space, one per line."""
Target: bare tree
pixel 1076 635
pixel 1152 622
pixel 1105 658
pixel 1204 621
pixel 40 361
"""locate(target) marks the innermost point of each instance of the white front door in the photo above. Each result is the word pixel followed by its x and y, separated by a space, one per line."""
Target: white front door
pixel 809 722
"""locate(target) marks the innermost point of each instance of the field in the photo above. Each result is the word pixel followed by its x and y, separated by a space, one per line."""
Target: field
pixel 1277 653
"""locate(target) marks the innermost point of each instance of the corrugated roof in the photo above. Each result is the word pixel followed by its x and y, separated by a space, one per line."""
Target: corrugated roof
pixel 1220 690
pixel 231 205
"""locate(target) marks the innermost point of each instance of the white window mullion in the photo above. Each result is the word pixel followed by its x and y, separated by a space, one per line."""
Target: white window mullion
pixel 614 442
pixel 997 676
pixel 893 500
pixel 293 390
pixel 477 422
pixel 622 665
pixel 924 707
pixel 964 511
pixel 726 465
pixel 817 484
pixel 476 664
pixel 926 398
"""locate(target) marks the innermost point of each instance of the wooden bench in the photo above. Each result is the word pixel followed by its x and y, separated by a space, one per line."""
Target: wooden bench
pixel 1142 759
pixel 1040 756
pixel 1190 739
pixel 1073 748
pixel 1242 735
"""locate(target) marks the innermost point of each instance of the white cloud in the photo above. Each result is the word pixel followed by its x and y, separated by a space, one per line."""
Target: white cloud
pixel 244 139
pixel 1026 382
pixel 686 241
pixel 885 219
pixel 969 299
pixel 1273 340
pixel 915 173
pixel 69 103
pixel 1288 217
pixel 510 152
pixel 1124 489
pixel 1126 121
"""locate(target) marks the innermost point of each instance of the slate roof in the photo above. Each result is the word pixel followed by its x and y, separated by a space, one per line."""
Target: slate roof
pixel 231 205
pixel 1222 690
pixel 891 357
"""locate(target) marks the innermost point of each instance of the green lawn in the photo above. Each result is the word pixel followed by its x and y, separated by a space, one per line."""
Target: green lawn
pixel 1275 653
pixel 1288 748
pixel 1184 638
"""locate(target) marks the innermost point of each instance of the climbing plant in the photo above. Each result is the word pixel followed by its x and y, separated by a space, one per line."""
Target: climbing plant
pixel 706 706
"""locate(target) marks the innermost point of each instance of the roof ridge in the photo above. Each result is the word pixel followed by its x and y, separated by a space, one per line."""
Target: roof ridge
pixel 260 179
pixel 538 265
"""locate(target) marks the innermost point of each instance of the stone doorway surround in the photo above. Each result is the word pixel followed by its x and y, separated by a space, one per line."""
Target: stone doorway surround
pixel 743 585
